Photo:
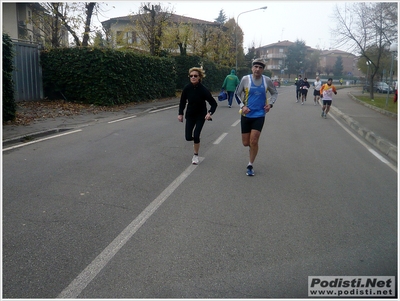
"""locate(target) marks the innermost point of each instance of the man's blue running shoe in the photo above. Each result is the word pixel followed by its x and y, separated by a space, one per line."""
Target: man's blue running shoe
pixel 250 170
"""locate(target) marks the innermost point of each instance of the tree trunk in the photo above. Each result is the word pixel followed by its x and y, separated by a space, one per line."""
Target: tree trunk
pixel 89 11
pixel 182 49
pixel 67 26
pixel 55 40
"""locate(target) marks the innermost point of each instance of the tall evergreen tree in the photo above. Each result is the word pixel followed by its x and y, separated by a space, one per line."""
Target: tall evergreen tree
pixel 296 58
pixel 221 17
pixel 338 68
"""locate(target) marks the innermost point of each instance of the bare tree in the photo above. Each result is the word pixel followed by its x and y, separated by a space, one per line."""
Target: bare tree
pixel 180 34
pixel 52 20
pixel 152 22
pixel 68 23
pixel 89 7
pixel 216 46
pixel 367 28
pixel 182 39
pixel 47 27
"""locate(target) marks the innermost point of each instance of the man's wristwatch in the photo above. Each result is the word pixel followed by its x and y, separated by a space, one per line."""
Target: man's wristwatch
pixel 271 105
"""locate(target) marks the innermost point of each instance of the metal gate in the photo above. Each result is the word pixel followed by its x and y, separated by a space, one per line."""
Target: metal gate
pixel 27 73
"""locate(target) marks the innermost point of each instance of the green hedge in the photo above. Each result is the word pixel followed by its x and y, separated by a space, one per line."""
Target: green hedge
pixel 183 64
pixel 9 105
pixel 215 75
pixel 106 77
pixel 109 77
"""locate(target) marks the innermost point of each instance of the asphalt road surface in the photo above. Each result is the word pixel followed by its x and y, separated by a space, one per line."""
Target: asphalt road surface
pixel 116 210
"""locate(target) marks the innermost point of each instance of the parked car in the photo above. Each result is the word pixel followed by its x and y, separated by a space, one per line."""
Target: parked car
pixel 379 87
pixel 382 87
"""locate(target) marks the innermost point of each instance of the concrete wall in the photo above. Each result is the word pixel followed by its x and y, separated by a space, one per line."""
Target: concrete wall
pixel 10 20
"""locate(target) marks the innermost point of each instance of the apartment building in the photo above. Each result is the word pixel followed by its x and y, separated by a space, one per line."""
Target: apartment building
pixel 328 59
pixel 275 56
pixel 121 31
pixel 29 22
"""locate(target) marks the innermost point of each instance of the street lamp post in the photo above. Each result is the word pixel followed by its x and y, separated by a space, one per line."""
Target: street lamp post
pixel 392 49
pixel 237 20
pixel 367 79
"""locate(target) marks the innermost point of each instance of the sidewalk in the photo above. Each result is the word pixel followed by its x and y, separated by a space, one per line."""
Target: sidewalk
pixel 377 128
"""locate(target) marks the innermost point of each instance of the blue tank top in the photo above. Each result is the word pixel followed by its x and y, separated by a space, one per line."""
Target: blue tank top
pixel 256 100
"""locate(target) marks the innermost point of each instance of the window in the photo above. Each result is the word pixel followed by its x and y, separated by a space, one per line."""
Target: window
pixel 131 37
pixel 120 37
pixel 126 37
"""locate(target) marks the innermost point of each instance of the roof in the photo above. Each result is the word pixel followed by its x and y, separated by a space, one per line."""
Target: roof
pixel 279 43
pixel 173 18
pixel 285 43
pixel 335 52
pixel 183 19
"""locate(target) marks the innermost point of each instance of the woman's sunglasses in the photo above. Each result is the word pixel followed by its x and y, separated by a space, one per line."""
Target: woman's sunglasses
pixel 194 75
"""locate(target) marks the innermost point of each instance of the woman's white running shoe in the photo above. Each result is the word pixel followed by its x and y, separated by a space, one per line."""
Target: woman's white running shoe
pixel 195 160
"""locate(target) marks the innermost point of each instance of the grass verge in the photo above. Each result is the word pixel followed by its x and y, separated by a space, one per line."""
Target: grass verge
pixel 380 102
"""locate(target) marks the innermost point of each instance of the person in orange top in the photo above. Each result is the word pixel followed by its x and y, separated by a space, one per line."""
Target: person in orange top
pixel 327 91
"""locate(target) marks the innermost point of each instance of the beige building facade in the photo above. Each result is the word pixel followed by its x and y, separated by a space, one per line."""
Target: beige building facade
pixel 121 31
pixel 17 22
pixel 275 55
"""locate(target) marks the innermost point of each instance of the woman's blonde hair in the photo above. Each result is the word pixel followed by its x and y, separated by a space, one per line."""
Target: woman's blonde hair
pixel 202 73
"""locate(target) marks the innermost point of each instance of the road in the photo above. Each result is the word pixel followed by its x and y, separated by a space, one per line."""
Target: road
pixel 116 210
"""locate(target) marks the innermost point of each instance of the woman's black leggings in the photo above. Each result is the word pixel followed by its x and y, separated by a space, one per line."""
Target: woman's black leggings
pixel 193 129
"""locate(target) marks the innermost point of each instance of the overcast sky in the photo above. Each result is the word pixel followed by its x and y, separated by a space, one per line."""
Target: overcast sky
pixel 309 21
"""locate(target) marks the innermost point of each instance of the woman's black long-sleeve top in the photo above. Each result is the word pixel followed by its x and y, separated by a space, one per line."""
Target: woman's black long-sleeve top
pixel 196 96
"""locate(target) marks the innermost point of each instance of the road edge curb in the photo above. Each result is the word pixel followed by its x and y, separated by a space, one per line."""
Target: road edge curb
pixel 382 144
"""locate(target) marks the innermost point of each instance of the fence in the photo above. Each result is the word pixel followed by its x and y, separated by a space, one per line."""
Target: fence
pixel 27 73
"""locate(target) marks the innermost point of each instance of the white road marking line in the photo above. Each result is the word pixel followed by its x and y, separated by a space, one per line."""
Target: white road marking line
pixel 220 138
pixel 372 151
pixel 379 156
pixel 163 109
pixel 39 140
pixel 90 272
pixel 122 119
pixel 236 122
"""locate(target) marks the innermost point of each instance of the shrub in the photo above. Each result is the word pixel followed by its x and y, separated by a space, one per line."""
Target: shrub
pixel 106 76
pixel 9 105
pixel 215 75
pixel 111 77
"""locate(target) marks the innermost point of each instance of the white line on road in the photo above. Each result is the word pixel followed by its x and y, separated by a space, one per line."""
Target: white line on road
pixel 122 119
pixel 220 138
pixel 377 155
pixel 39 140
pixel 236 122
pixel 90 272
pixel 163 109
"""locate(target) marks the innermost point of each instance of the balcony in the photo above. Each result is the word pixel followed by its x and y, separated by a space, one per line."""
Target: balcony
pixel 276 56
pixel 274 67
